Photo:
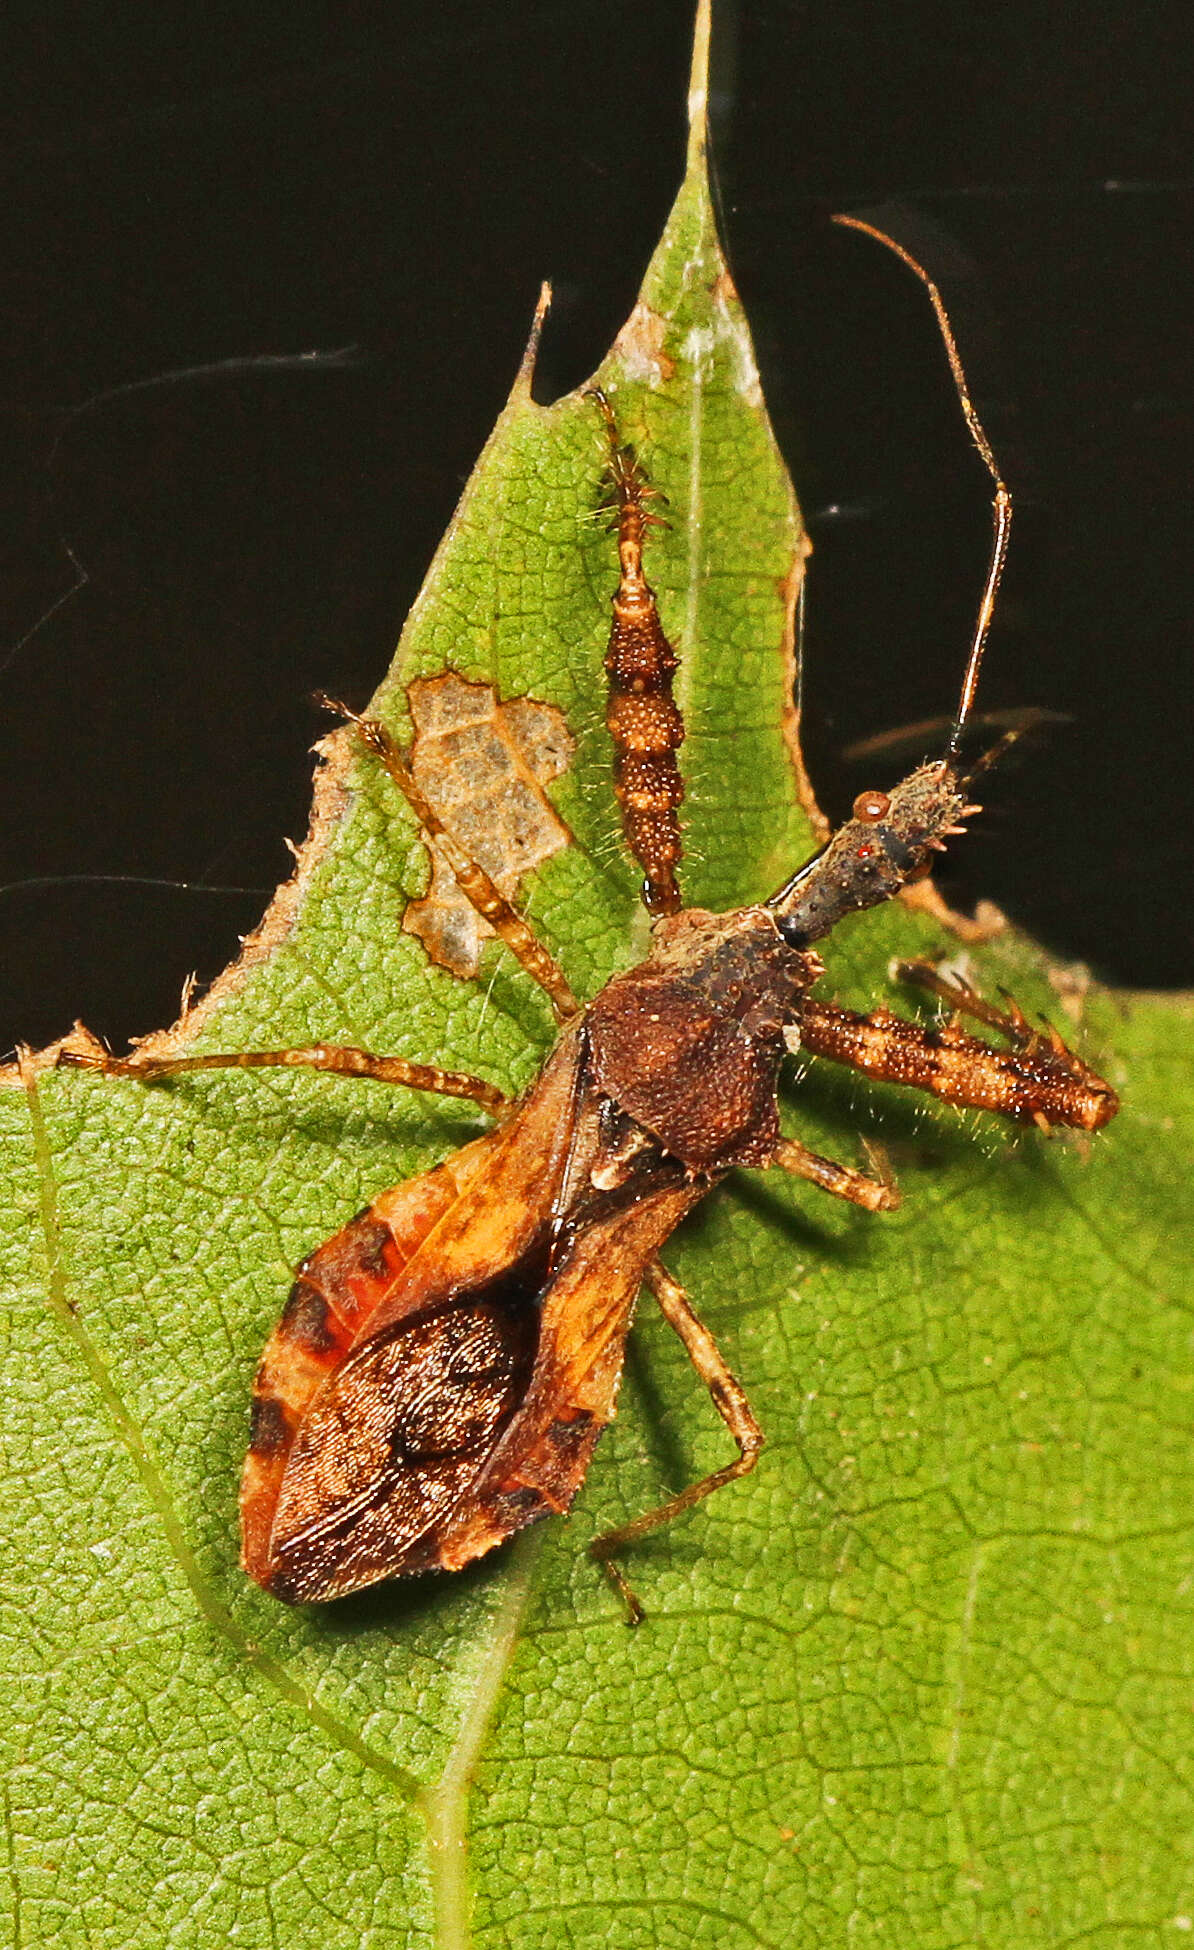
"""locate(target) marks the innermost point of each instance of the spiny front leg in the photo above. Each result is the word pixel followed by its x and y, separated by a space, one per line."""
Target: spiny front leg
pixel 1044 1049
pixel 1038 1081
pixel 729 1399
pixel 329 1057
pixel 643 719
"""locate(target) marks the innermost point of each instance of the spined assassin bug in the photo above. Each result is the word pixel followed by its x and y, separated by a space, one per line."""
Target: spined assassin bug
pixel 445 1364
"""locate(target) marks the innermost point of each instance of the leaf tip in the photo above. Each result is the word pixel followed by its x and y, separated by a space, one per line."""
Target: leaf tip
pixel 698 87
pixel 526 371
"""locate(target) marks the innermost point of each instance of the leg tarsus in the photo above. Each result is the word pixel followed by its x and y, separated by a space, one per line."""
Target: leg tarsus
pixel 622 1588
pixel 964 1000
pixel 729 1399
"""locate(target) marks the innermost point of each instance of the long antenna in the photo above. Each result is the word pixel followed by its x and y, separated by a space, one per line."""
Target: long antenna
pixel 1001 507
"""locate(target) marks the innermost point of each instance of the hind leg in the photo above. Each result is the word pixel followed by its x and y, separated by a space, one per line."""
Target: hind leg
pixel 332 1058
pixel 729 1399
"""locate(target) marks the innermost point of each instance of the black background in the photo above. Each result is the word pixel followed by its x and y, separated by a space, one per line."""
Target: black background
pixel 182 191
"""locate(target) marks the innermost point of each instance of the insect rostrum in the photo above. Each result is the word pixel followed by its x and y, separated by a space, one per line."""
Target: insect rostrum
pixel 446 1363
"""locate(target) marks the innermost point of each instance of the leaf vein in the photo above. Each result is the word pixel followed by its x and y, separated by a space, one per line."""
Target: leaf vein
pixel 153 1483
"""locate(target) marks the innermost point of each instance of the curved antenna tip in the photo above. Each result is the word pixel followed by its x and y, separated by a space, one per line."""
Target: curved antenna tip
pixel 1001 506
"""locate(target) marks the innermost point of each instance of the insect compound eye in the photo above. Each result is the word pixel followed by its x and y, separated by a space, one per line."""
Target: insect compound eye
pixel 871 807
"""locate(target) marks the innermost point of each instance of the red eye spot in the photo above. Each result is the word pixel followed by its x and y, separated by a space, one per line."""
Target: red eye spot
pixel 871 807
pixel 864 852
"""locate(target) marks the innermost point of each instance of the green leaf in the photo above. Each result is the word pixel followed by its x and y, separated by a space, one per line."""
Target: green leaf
pixel 924 1678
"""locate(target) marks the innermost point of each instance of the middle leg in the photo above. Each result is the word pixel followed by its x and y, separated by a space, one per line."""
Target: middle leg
pixel 729 1399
